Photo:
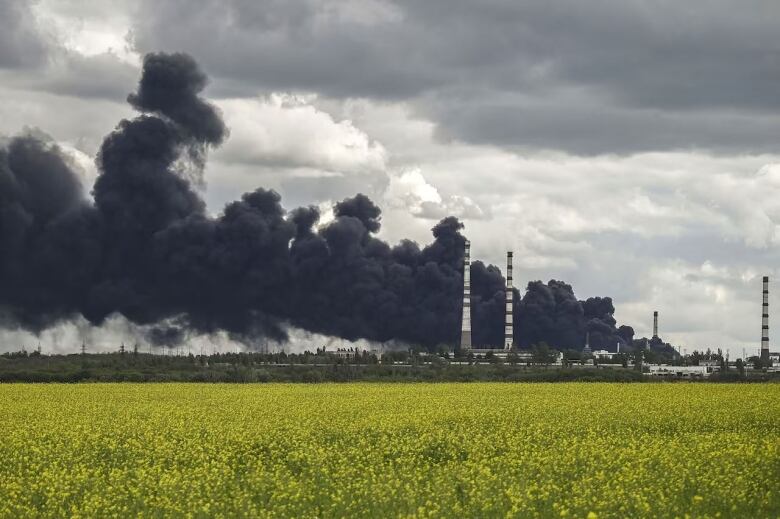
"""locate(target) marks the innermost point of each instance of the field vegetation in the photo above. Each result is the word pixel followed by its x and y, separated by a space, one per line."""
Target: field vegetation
pixel 390 450
pixel 309 367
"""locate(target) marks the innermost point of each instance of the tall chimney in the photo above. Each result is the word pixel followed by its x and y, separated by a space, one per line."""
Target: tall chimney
pixel 509 336
pixel 465 328
pixel 655 324
pixel 765 323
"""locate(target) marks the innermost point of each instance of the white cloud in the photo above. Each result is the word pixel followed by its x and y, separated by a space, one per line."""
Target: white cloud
pixel 102 27
pixel 288 131
pixel 409 190
pixel 82 164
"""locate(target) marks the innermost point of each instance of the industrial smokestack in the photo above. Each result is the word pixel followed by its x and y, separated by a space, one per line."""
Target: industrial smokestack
pixel 465 329
pixel 765 322
pixel 586 350
pixel 509 336
pixel 655 324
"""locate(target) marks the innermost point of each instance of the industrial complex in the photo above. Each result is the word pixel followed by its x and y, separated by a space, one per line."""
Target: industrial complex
pixel 652 357
pixel 590 357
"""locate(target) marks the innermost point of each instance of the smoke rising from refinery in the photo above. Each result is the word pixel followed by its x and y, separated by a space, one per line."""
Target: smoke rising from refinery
pixel 146 248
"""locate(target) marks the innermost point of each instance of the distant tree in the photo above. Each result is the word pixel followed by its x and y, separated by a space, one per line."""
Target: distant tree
pixel 441 349
pixel 620 358
pixel 541 353
pixel 740 367
pixel 651 356
pixel 724 366
pixel 638 358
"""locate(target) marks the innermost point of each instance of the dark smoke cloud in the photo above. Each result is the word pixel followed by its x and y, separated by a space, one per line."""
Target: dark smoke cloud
pixel 170 86
pixel 551 313
pixel 362 208
pixel 146 248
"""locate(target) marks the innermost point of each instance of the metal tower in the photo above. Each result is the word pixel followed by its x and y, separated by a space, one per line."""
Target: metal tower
pixel 765 323
pixel 655 324
pixel 465 328
pixel 509 336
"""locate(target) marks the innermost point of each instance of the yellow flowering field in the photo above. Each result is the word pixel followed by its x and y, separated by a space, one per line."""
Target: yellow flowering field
pixel 390 450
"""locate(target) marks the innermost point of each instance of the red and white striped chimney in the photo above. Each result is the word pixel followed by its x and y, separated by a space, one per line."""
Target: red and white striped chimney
pixel 509 336
pixel 765 322
pixel 465 327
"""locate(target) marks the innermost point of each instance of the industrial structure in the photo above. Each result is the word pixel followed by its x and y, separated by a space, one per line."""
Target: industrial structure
pixel 466 345
pixel 655 324
pixel 509 336
pixel 465 327
pixel 665 371
pixel 765 322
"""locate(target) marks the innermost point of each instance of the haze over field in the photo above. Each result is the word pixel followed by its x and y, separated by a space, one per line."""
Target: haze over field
pixel 628 149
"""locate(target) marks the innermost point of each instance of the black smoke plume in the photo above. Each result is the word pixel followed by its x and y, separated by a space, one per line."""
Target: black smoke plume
pixel 145 247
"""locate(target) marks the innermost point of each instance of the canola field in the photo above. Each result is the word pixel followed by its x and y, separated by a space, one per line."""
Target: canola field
pixel 390 450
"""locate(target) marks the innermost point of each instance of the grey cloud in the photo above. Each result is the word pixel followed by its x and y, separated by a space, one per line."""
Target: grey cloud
pixel 101 76
pixel 82 122
pixel 302 190
pixel 34 53
pixel 453 206
pixel 587 78
pixel 21 42
pixel 582 125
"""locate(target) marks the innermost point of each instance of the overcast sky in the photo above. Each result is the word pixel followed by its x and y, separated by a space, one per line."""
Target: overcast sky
pixel 628 147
